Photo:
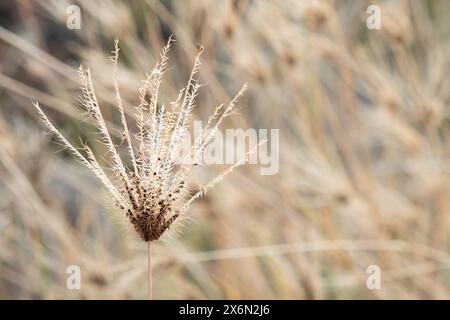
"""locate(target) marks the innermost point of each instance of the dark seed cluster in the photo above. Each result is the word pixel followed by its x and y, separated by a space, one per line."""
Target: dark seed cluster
pixel 150 211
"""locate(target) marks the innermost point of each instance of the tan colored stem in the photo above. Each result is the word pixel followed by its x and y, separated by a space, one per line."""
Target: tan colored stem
pixel 149 273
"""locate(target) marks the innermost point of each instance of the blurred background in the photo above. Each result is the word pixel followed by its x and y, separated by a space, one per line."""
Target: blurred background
pixel 364 150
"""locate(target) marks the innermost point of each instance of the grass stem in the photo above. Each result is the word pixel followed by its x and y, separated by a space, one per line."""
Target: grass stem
pixel 149 273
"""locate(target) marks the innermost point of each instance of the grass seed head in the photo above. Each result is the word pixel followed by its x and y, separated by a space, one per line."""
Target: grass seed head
pixel 153 192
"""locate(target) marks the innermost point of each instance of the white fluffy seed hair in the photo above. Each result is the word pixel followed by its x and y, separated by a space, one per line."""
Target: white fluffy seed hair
pixel 153 193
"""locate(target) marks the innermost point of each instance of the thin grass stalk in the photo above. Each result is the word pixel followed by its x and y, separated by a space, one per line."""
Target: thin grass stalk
pixel 149 271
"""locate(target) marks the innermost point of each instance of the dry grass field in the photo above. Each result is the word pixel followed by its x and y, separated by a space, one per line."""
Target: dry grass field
pixel 364 149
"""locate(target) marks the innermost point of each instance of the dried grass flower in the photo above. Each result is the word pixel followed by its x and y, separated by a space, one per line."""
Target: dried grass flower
pixel 153 191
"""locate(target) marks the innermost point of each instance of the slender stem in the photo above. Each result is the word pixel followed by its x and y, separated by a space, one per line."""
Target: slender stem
pixel 149 274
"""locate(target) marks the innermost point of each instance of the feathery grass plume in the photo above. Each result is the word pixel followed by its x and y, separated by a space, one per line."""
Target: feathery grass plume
pixel 153 193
